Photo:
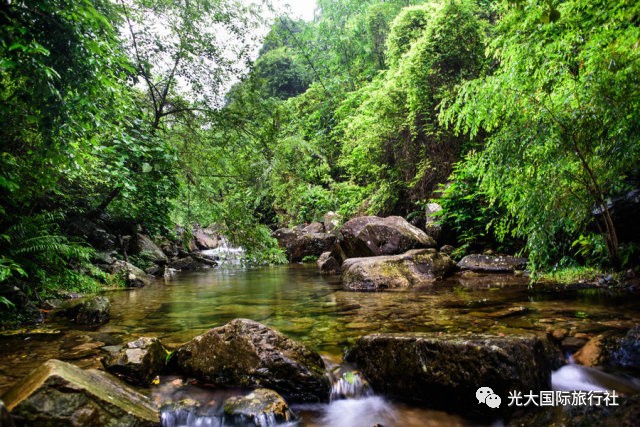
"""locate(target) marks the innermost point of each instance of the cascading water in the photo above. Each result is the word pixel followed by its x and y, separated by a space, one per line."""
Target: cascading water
pixel 225 252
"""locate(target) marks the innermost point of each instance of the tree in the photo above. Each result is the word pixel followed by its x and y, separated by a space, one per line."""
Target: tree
pixel 560 110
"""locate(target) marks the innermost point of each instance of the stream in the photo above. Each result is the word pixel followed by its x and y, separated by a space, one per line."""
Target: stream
pixel 313 309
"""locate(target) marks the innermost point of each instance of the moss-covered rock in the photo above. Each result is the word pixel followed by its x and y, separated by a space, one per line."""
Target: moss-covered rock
pixel 367 236
pixel 445 372
pixel 261 408
pixel 61 394
pixel 245 353
pixel 414 268
pixel 139 362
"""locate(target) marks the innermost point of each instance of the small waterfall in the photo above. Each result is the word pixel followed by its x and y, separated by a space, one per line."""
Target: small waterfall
pixel 577 377
pixel 225 252
pixel 350 385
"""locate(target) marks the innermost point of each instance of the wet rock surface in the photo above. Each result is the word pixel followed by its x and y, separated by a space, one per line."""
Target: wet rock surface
pixel 299 243
pixel 245 353
pixel 138 362
pixel 444 372
pixel 91 311
pixel 613 350
pixel 415 268
pixel 492 263
pixel 373 236
pixel 61 394
pixel 262 408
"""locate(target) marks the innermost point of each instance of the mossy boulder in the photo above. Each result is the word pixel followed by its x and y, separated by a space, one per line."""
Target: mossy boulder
pixel 415 268
pixel 147 249
pixel 261 408
pixel 367 236
pixel 445 372
pixel 245 353
pixel 138 362
pixel 61 394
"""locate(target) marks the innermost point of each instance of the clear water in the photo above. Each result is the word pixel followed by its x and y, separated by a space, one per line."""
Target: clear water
pixel 299 302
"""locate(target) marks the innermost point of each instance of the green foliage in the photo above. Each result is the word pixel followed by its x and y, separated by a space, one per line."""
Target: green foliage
pixel 559 109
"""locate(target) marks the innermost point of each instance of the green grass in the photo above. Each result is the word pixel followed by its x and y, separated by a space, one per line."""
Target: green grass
pixel 572 275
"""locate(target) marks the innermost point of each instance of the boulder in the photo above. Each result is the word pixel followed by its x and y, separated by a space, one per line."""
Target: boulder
pixel 134 276
pixel 245 353
pixel 61 394
pixel 89 311
pixel 414 268
pixel 612 350
pixel 328 264
pixel 147 249
pixel 372 236
pixel 204 238
pixel 298 243
pixel 314 227
pixel 445 372
pixel 5 417
pixel 139 362
pixel 332 222
pixel 262 408
pixel 492 263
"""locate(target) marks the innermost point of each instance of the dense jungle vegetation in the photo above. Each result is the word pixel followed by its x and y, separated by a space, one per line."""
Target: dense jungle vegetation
pixel 522 118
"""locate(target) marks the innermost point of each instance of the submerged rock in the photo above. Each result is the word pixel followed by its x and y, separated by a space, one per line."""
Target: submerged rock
pixel 61 394
pixel 414 268
pixel 367 236
pixel 245 353
pixel 261 408
pixel 445 372
pixel 87 311
pixel 139 362
pixel 492 264
pixel 299 243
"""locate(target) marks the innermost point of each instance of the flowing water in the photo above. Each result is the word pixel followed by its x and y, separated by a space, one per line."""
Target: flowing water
pixel 300 303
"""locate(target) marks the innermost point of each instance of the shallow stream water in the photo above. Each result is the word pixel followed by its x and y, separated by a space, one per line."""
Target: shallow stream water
pixel 300 303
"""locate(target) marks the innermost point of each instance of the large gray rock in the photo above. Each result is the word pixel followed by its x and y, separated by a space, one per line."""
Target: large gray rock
pixel 88 311
pixel 205 238
pixel 414 268
pixel 444 372
pixel 372 236
pixel 147 249
pixel 245 353
pixel 134 276
pixel 58 394
pixel 261 408
pixel 299 243
pixel 492 263
pixel 138 362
